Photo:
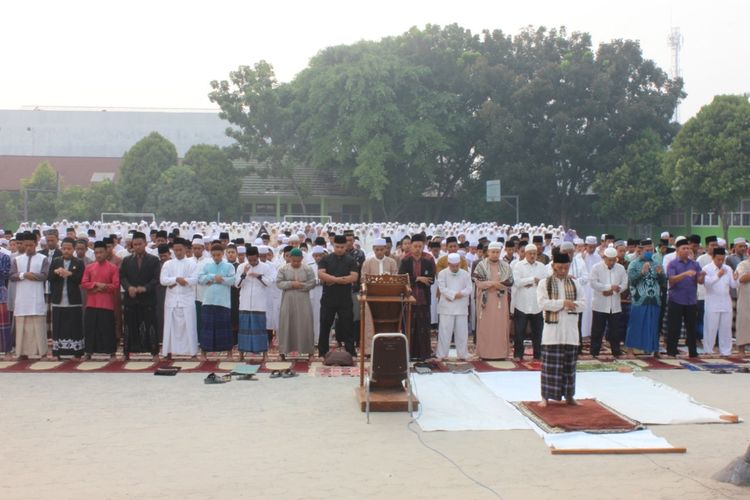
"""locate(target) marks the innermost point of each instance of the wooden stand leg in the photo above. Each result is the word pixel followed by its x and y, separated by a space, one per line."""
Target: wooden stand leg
pixel 361 342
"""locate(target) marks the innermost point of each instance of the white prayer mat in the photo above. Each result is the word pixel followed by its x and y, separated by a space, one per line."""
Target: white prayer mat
pixel 502 365
pixel 45 365
pixel 138 365
pixel 460 402
pixel 584 442
pixel 519 386
pixel 7 364
pixel 187 365
pixel 91 365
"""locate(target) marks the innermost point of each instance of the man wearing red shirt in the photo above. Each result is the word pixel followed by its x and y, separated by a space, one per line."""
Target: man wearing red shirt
pixel 101 279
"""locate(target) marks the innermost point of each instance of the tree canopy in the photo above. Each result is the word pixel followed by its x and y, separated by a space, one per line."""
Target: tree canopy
pixel 141 168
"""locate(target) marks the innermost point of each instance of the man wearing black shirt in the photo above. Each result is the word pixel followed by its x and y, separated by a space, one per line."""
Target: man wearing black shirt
pixel 359 257
pixel 337 272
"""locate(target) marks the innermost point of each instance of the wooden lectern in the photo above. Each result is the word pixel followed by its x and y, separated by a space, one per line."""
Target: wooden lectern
pixel 389 298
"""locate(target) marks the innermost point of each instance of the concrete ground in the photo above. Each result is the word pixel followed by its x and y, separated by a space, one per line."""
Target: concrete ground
pixel 86 435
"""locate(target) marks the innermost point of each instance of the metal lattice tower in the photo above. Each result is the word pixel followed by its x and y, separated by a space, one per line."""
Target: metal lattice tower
pixel 675 45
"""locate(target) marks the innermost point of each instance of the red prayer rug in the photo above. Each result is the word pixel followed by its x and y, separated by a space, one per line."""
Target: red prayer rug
pixel 588 416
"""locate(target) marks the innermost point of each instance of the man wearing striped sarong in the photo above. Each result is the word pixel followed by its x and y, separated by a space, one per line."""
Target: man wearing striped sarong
pixel 253 279
pixel 562 300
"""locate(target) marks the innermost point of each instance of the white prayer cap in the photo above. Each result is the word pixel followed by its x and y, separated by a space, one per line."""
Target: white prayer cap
pixel 722 242
pixel 285 240
pixel 317 249
pixel 378 242
pixel 679 238
pixel 199 241
pixel 530 248
pixel 578 241
pixel 263 250
pixel 591 240
pixel 292 238
pixel 129 237
pixel 567 246
pixel 4 242
pixel 473 243
pixel 740 241
pixel 454 258
pixel 664 235
pixel 258 242
pixel 241 249
pixel 610 252
pixel 496 245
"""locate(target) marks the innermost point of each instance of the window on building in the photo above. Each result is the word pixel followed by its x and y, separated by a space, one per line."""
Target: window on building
pixel 265 209
pixel 674 219
pixel 741 217
pixel 705 219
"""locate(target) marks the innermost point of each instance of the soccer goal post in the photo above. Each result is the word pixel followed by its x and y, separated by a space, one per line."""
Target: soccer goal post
pixel 127 217
pixel 325 219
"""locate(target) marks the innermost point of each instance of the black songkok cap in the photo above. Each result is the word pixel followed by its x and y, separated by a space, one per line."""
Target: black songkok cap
pixel 711 239
pixel 388 240
pixel 609 237
pixel 180 241
pixel 679 243
pixel 164 248
pixel 561 258
pixel 320 241
pixel 537 239
pixel 339 239
pixel 251 250
pixel 107 241
pixel 646 242
pixel 239 241
pixel 451 239
pixel 161 234
pixel 139 235
pixel 223 236
pixel 547 236
pixel 433 244
pixel 720 251
pixel 418 237
pixel 100 244
pixel 694 238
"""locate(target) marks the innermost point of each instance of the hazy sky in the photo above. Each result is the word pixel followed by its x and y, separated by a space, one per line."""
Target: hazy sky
pixel 164 53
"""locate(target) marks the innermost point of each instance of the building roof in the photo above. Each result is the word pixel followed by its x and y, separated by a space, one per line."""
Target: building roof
pixel 258 182
pixel 74 171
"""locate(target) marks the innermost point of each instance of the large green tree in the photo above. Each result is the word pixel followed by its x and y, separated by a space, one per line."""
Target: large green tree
pixel 219 180
pixel 141 168
pixel 39 193
pixel 81 203
pixel 637 191
pixel 179 196
pixel 709 161
pixel 560 114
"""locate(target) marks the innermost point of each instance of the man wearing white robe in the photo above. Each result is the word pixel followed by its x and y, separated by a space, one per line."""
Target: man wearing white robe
pixel 180 276
pixel 316 293
pixel 29 272
pixel 718 281
pixel 455 287
pixel 591 257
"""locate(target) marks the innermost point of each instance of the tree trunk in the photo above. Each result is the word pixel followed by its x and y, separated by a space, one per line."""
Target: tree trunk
pixel 724 214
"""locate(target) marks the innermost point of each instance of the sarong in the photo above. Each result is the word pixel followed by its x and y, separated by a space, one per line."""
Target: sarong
pixel 252 335
pixel 140 330
pixel 643 328
pixel 559 371
pixel 6 337
pixel 67 331
pixel 100 331
pixel 420 344
pixel 215 334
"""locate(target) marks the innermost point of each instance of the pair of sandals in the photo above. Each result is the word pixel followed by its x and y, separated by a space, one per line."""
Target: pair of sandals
pixel 212 378
pixel 288 373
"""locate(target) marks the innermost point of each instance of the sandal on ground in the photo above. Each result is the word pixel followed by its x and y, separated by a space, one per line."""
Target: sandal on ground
pixel 288 374
pixel 275 374
pixel 212 378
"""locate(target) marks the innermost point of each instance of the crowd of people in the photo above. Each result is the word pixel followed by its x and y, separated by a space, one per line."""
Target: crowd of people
pixel 198 289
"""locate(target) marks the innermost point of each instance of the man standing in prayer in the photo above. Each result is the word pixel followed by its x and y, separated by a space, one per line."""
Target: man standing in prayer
pixel 180 276
pixel 455 289
pixel 742 277
pixel 421 271
pixel 65 275
pixel 29 272
pixel 526 277
pixel 718 280
pixel 198 246
pixel 215 334
pixel 608 280
pixel 161 291
pixel 318 252
pixel 101 280
pixel 139 277
pixel 376 265
pixel 646 281
pixel 295 279
pixel 492 278
pixel 337 271
pixel 6 339
pixel 684 275
pixel 562 300
pixel 253 279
